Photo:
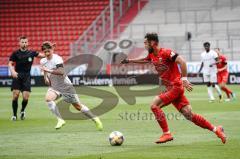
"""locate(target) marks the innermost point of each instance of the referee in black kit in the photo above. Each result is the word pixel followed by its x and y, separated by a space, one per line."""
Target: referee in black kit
pixel 23 60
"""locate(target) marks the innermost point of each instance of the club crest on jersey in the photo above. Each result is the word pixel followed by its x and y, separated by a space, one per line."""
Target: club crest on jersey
pixel 30 59
pixel 172 54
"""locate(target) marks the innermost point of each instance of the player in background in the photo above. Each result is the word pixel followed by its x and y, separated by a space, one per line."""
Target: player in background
pixel 60 85
pixel 210 57
pixel 166 64
pixel 20 63
pixel 222 75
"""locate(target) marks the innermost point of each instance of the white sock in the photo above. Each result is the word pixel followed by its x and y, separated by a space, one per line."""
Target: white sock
pixel 214 129
pixel 54 109
pixel 85 110
pixel 210 93
pixel 168 132
pixel 218 89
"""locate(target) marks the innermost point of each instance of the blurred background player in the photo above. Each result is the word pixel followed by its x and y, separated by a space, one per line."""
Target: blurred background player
pixel 60 85
pixel 222 75
pixel 166 64
pixel 208 58
pixel 23 60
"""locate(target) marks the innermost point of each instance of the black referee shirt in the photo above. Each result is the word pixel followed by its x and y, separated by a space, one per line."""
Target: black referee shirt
pixel 23 59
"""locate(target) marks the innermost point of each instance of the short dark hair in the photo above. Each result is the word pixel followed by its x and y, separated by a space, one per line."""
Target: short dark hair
pixel 152 37
pixel 22 37
pixel 206 43
pixel 47 45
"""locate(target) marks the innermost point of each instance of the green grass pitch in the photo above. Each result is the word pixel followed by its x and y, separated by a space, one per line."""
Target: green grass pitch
pixel 36 137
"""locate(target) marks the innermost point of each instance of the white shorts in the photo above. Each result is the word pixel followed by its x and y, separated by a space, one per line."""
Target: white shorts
pixel 210 78
pixel 67 97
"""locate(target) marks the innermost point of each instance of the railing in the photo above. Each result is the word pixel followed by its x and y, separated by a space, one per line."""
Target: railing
pixel 226 36
pixel 83 42
pixel 191 50
pixel 91 39
pixel 183 7
pixel 188 27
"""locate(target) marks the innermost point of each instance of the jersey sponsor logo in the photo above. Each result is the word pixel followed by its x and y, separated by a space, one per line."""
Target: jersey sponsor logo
pixel 160 67
pixel 172 54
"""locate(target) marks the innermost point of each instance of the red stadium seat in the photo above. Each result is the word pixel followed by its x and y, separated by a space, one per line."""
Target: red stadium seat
pixel 56 20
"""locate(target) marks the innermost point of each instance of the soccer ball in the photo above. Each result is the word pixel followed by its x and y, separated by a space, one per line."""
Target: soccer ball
pixel 116 138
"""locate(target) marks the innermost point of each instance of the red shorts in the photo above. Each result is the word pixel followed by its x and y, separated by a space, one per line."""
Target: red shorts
pixel 222 77
pixel 175 95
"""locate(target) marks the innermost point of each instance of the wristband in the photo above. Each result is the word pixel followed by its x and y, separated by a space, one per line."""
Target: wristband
pixel 184 78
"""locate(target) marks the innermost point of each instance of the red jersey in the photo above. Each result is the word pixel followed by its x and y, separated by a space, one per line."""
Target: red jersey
pixel 222 63
pixel 166 67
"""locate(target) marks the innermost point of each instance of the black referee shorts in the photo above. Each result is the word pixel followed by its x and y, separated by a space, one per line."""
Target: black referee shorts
pixel 22 83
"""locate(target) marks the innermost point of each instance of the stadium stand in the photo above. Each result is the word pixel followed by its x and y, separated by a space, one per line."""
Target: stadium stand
pixel 55 20
pixel 215 21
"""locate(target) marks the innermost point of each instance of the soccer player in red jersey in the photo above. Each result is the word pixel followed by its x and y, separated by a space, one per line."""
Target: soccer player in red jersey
pixel 222 75
pixel 166 64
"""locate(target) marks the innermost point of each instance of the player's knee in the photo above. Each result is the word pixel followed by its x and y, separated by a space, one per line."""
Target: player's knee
pixel 222 85
pixel 157 102
pixel 47 100
pixel 26 97
pixel 188 116
pixel 15 96
pixel 187 113
pixel 77 106
pixel 153 107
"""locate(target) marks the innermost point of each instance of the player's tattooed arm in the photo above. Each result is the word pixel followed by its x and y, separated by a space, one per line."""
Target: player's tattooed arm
pixel 46 79
pixel 58 71
pixel 140 61
pixel 12 70
pixel 183 66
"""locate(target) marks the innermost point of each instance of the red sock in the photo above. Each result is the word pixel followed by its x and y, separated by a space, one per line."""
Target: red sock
pixel 202 122
pixel 227 91
pixel 160 117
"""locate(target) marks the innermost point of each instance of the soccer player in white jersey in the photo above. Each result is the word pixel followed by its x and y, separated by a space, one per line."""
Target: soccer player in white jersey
pixel 60 85
pixel 209 58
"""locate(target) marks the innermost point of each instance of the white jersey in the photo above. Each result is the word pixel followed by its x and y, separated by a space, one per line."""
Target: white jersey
pixel 59 83
pixel 208 58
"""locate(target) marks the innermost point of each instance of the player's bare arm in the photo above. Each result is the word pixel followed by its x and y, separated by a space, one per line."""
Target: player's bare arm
pixel 58 71
pixel 12 69
pixel 183 67
pixel 149 45
pixel 46 79
pixel 221 69
pixel 140 61
pixel 41 55
pixel 201 66
pixel 217 61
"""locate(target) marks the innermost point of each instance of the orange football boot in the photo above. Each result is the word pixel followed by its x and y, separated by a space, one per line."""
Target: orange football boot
pixel 164 138
pixel 220 133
